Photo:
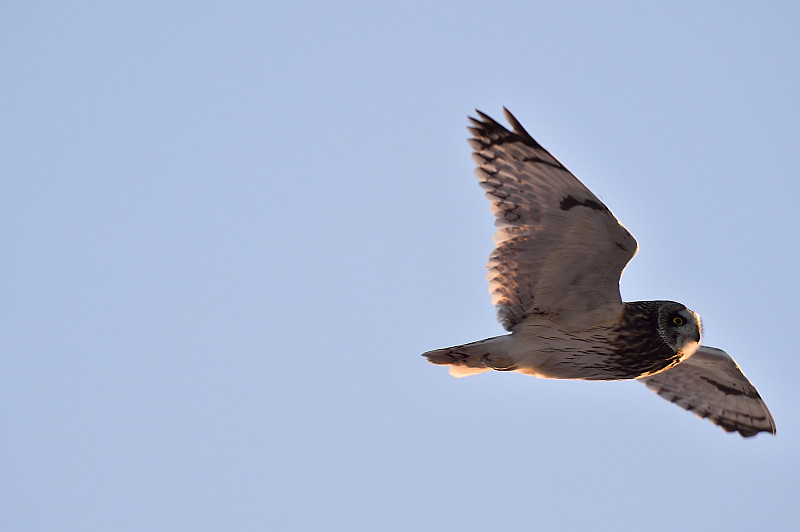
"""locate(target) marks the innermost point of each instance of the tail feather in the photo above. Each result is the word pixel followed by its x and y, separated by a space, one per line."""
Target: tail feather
pixel 468 359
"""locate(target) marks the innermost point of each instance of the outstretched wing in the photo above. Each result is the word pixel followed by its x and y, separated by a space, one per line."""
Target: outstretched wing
pixel 559 249
pixel 710 384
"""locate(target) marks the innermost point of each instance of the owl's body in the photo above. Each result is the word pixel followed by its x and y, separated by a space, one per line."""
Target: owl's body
pixel 554 277
pixel 627 347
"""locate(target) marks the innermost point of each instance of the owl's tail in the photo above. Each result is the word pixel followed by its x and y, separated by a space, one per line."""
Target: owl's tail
pixel 475 357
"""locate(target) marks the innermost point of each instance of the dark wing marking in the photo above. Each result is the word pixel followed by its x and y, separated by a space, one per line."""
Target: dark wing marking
pixel 559 249
pixel 710 384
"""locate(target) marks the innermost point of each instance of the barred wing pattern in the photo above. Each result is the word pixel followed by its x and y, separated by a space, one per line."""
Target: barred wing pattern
pixel 711 385
pixel 559 249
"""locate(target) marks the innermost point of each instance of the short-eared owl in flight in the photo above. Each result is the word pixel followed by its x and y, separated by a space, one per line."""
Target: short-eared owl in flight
pixel 554 277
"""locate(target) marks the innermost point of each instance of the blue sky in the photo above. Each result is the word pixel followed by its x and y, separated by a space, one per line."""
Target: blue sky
pixel 231 228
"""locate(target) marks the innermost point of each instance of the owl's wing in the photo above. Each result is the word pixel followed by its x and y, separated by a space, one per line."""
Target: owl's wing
pixel 710 384
pixel 559 249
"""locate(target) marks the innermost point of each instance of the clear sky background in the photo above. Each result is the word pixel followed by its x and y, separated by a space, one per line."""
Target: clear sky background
pixel 229 229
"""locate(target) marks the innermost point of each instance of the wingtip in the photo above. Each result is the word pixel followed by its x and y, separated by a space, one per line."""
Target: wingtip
pixel 484 119
pixel 772 428
pixel 485 122
pixel 515 124
pixel 750 434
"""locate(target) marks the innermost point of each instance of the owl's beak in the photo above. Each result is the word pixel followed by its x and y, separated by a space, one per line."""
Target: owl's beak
pixel 699 327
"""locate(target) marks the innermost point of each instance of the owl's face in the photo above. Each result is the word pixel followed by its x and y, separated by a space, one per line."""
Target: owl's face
pixel 679 327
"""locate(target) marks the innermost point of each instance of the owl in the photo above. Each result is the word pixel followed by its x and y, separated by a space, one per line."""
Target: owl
pixel 554 278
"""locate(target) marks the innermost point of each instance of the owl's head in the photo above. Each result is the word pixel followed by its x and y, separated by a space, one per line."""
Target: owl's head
pixel 679 327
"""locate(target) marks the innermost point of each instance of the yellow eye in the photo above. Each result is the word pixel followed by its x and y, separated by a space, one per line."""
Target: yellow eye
pixel 677 320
